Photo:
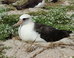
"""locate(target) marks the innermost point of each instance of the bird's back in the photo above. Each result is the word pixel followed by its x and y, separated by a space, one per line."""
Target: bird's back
pixel 51 34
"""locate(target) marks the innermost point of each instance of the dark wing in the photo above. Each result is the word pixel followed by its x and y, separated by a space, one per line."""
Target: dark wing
pixel 42 28
pixel 29 4
pixel 33 3
pixel 46 32
pixel 49 33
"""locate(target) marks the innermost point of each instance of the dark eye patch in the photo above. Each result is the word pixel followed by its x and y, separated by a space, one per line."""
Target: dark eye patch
pixel 25 18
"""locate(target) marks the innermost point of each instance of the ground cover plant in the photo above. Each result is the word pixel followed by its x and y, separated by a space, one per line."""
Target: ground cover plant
pixel 6 26
pixel 55 16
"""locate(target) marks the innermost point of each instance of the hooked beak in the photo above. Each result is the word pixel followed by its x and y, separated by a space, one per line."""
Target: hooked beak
pixel 18 23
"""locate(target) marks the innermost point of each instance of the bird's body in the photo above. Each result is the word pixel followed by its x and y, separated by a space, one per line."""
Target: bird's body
pixel 31 4
pixel 27 33
pixel 49 33
pixel 30 31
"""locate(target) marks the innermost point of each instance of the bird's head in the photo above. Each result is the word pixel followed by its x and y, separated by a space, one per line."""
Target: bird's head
pixel 24 19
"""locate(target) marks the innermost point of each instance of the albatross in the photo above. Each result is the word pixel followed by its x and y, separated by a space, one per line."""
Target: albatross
pixel 30 31
pixel 25 3
pixel 32 4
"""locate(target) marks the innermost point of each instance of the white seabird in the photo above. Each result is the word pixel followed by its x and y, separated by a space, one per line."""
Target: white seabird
pixel 26 30
pixel 30 31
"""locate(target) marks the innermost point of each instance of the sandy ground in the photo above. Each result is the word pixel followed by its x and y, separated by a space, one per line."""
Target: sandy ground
pixel 20 49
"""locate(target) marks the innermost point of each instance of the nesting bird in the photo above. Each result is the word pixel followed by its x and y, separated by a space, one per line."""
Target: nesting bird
pixel 32 4
pixel 23 4
pixel 30 31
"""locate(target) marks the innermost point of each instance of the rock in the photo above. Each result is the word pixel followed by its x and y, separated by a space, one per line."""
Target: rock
pixel 20 49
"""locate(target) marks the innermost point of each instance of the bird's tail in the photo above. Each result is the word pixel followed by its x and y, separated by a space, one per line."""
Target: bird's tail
pixel 68 31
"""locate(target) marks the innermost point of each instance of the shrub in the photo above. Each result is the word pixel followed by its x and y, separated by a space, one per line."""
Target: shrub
pixel 5 30
pixel 4 9
pixel 6 26
pixel 55 17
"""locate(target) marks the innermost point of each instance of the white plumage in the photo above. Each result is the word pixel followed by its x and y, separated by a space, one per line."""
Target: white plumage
pixel 26 30
pixel 41 4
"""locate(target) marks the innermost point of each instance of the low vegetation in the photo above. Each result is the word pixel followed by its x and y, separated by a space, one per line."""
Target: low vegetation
pixel 2 48
pixel 6 28
pixel 55 16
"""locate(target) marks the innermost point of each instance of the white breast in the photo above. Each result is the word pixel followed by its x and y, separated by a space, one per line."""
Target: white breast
pixel 27 33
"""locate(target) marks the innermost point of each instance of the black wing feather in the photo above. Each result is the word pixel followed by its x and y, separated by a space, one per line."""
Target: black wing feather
pixel 49 33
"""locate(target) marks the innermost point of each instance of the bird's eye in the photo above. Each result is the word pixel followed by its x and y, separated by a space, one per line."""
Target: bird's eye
pixel 25 18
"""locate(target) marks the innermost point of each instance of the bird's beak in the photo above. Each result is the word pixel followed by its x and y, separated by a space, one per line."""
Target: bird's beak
pixel 18 23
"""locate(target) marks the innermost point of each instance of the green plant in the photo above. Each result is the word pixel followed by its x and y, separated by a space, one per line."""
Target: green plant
pixel 53 16
pixel 2 51
pixel 6 26
pixel 56 7
pixel 56 17
pixel 72 56
pixel 4 9
pixel 9 19
pixel 71 7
